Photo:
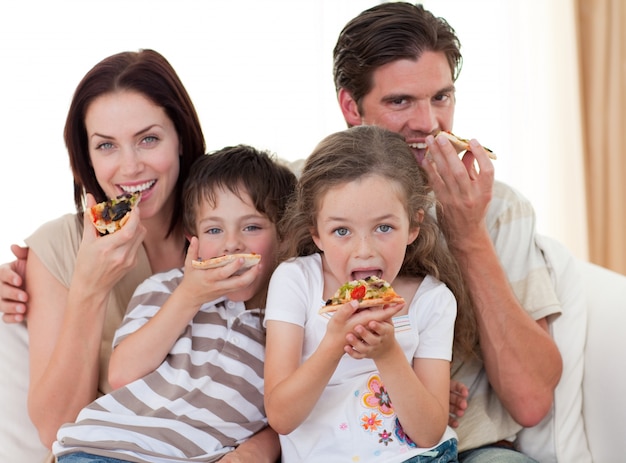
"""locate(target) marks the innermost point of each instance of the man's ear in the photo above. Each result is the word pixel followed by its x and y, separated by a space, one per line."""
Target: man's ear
pixel 349 108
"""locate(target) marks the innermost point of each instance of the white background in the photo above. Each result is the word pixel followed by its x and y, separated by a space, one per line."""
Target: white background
pixel 260 72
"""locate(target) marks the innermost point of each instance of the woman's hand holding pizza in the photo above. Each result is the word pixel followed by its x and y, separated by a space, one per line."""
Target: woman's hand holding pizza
pixel 104 260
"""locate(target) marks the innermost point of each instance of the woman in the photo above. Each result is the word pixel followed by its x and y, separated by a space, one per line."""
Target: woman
pixel 131 127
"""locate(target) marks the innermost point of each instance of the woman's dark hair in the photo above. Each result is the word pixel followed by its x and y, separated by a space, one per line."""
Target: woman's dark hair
pixel 150 74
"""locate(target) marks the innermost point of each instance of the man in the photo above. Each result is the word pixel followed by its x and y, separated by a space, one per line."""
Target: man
pixel 395 66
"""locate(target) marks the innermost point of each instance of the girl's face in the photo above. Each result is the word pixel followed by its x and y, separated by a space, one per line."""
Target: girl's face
pixel 362 229
pixel 233 225
pixel 134 146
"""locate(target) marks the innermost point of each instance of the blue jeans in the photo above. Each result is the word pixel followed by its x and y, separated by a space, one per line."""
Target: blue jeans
pixel 82 457
pixel 445 452
pixel 494 455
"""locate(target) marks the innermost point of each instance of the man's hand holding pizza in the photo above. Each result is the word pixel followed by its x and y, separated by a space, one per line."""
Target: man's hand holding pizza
pixel 463 191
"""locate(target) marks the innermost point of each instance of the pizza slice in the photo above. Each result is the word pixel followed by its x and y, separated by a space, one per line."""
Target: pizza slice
pixel 462 144
pixel 370 292
pixel 111 215
pixel 250 260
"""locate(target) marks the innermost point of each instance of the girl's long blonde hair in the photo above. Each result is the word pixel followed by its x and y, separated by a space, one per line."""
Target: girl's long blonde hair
pixel 366 151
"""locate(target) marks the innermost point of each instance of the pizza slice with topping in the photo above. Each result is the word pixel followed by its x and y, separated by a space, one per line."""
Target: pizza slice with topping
pixel 370 292
pixel 111 215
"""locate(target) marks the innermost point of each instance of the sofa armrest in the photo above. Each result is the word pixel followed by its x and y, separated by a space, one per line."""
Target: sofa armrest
pixel 604 377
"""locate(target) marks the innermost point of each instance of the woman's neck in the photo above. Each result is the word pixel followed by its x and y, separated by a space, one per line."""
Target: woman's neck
pixel 165 252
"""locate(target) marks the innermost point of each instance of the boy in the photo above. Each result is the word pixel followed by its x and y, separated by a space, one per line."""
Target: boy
pixel 189 373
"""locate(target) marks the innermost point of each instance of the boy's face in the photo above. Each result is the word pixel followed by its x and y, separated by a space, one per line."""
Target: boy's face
pixel 412 98
pixel 236 226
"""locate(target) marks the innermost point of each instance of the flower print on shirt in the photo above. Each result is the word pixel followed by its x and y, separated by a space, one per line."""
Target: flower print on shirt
pixel 377 397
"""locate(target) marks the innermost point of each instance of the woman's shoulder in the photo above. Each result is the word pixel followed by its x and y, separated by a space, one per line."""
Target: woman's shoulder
pixel 67 228
pixel 56 244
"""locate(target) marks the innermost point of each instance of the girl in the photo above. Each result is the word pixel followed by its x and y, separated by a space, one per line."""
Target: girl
pixel 369 385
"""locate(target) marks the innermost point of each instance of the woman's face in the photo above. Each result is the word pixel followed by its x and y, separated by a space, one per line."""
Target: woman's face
pixel 134 146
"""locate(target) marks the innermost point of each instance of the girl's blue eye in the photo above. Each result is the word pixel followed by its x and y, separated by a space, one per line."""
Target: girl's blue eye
pixel 213 231
pixel 341 231
pixel 385 228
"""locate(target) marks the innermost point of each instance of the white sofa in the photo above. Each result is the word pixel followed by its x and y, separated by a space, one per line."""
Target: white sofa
pixel 588 421
pixel 604 380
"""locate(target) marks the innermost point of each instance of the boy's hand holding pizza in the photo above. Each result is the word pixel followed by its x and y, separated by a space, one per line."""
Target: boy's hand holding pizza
pixel 204 282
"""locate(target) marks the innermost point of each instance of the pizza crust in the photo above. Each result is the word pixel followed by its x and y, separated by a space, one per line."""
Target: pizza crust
pixel 461 144
pixel 365 303
pixel 250 260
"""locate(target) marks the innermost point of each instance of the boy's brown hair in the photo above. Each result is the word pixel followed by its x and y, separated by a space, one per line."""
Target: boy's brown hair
pixel 240 168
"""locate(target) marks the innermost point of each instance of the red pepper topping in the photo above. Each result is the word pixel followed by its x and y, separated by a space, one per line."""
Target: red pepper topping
pixel 358 292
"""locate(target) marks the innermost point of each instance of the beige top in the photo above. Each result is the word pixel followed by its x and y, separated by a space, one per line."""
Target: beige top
pixel 511 223
pixel 56 244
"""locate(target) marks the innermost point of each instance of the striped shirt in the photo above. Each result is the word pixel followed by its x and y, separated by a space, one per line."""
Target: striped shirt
pixel 200 403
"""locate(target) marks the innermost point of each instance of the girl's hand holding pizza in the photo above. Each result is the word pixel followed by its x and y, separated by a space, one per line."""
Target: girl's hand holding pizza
pixel 375 337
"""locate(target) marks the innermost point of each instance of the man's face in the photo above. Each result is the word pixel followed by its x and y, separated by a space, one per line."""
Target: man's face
pixel 413 98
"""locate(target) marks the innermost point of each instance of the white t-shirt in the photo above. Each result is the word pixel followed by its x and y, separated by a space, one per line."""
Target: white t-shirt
pixel 352 421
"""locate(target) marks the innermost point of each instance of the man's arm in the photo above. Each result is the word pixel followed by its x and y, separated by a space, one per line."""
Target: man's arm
pixel 521 359
pixel 13 297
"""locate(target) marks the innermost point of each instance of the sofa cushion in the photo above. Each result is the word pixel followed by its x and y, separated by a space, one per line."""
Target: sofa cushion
pixel 19 441
pixel 560 437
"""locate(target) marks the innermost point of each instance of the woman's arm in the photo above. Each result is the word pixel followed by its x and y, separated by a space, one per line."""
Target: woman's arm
pixel 65 325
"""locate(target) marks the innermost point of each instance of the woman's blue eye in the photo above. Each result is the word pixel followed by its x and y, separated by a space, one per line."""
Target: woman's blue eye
pixel 104 146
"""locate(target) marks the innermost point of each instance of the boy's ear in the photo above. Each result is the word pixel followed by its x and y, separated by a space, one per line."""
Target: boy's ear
pixel 349 108
pixel 415 231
